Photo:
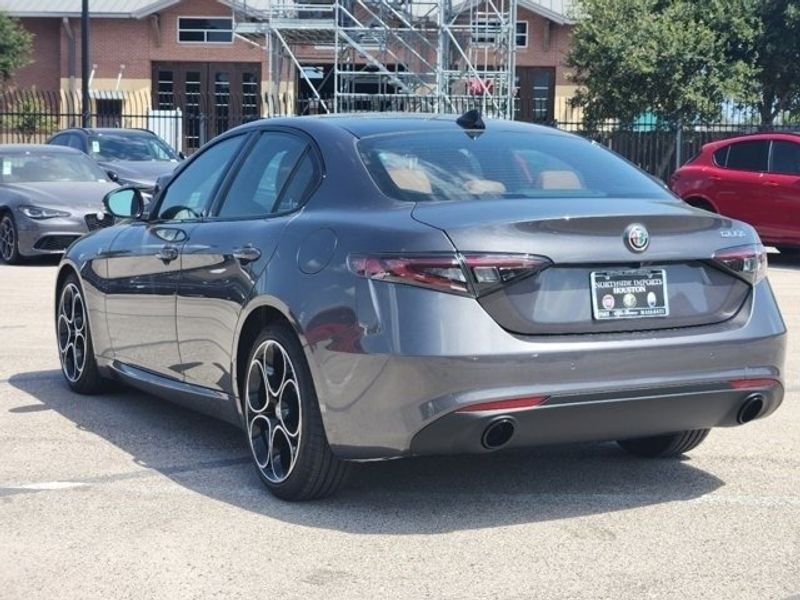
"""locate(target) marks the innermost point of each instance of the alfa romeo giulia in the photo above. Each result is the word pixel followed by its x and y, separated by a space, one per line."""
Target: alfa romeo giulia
pixel 353 288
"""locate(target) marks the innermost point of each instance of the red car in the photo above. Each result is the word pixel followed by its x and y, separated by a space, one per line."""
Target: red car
pixel 754 178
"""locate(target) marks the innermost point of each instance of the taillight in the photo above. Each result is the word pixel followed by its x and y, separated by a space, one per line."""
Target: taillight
pixel 440 272
pixel 748 262
pixel 469 274
pixel 492 271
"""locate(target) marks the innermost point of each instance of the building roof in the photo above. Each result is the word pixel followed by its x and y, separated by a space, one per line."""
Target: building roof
pixel 135 9
pixel 557 11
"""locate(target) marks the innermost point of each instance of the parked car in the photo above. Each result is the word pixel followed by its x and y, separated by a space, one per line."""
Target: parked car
pixel 49 197
pixel 755 178
pixel 358 288
pixel 131 156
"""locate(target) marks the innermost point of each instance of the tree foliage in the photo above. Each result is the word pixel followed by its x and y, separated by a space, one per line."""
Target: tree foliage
pixel 678 59
pixel 774 53
pixel 16 45
pixel 27 117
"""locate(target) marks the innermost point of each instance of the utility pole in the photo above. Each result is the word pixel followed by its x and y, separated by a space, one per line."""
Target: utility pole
pixel 85 62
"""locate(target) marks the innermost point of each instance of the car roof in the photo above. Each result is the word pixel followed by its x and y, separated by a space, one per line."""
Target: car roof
pixel 756 136
pixel 102 130
pixel 368 124
pixel 36 149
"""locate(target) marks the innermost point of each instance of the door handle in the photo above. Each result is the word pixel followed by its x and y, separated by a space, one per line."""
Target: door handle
pixel 247 254
pixel 167 254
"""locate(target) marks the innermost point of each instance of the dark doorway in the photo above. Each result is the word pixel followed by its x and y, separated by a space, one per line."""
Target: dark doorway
pixel 536 95
pixel 212 96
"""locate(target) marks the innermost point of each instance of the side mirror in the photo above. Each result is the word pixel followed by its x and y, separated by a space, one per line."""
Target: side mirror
pixel 181 155
pixel 124 203
pixel 112 175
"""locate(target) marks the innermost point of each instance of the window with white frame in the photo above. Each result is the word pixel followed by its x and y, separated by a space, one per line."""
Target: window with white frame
pixel 522 34
pixel 205 30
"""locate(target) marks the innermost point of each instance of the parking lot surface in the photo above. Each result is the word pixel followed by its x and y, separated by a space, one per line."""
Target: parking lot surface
pixel 126 496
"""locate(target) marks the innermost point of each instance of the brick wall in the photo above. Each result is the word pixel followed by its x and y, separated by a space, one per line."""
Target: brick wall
pixel 548 44
pixel 43 73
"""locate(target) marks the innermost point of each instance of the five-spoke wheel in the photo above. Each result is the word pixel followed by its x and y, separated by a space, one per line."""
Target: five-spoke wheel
pixel 9 248
pixel 284 426
pixel 274 411
pixel 74 339
pixel 71 330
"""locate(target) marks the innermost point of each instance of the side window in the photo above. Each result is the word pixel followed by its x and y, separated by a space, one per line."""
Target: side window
pixel 264 175
pixel 748 156
pixel 785 157
pixel 299 186
pixel 61 140
pixel 191 191
pixel 721 156
pixel 75 141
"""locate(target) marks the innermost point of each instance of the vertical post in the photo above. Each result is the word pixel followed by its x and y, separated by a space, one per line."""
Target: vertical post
pixel 85 62
pixel 679 145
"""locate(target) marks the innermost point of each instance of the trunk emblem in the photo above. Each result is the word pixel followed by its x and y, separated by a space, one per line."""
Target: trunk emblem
pixel 637 238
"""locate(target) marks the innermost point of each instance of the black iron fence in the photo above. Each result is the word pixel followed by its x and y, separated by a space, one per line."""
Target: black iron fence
pixel 189 121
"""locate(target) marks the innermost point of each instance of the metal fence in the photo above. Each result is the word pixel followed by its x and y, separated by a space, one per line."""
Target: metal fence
pixel 189 121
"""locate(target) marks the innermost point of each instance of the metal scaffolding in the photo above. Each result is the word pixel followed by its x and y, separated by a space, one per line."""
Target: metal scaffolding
pixel 443 56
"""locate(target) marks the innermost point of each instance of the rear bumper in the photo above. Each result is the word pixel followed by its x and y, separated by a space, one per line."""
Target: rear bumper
pixel 599 417
pixel 391 385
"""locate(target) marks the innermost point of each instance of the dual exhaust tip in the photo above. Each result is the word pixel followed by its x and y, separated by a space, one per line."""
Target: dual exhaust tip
pixel 500 431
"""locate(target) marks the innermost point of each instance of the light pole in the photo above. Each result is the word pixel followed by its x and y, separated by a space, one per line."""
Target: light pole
pixel 85 62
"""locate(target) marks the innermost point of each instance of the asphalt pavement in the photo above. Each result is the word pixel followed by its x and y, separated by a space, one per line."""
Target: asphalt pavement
pixel 126 496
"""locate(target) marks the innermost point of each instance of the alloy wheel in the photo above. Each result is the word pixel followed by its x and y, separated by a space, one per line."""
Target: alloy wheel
pixel 274 411
pixel 8 239
pixel 71 330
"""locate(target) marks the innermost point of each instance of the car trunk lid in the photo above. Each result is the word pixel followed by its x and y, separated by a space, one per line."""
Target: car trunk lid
pixel 586 241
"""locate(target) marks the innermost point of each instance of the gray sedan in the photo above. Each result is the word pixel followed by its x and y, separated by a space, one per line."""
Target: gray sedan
pixel 356 288
pixel 49 197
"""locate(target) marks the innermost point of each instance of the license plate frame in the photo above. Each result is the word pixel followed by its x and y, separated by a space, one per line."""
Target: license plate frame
pixel 633 293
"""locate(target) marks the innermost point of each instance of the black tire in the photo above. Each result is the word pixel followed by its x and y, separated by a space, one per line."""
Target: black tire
pixel 85 379
pixel 299 466
pixel 9 241
pixel 665 446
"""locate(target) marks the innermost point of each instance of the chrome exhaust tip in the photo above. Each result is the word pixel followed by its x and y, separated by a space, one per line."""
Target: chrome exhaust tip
pixel 498 433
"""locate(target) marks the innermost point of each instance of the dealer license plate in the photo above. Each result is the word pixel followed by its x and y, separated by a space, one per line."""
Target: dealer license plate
pixel 629 294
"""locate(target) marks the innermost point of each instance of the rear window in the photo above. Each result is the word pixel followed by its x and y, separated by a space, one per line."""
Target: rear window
pixel 496 164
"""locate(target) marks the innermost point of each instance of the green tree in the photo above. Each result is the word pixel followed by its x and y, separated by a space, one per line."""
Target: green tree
pixel 28 117
pixel 16 45
pixel 774 53
pixel 673 58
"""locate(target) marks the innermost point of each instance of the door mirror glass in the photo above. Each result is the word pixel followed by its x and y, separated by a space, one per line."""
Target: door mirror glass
pixel 124 203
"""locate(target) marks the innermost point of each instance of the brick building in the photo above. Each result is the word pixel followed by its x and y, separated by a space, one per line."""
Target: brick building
pixel 185 54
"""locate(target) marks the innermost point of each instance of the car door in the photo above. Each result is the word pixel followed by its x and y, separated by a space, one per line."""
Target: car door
pixel 144 264
pixel 228 251
pixel 783 183
pixel 740 190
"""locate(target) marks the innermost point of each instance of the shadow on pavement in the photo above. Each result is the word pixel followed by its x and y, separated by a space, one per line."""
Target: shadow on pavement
pixel 39 261
pixel 415 496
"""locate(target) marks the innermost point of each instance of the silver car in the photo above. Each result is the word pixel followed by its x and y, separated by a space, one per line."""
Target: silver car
pixel 357 288
pixel 49 197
